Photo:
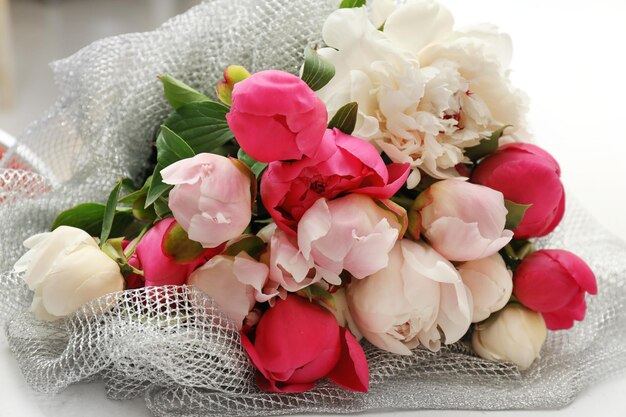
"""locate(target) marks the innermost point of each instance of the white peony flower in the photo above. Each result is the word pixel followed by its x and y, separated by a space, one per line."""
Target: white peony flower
pixel 425 92
pixel 66 269
pixel 414 300
pixel 490 282
pixel 516 334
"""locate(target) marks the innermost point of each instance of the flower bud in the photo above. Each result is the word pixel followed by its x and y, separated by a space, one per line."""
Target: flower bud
pixel 211 198
pixel 462 221
pixel 554 282
pixel 490 283
pixel 526 174
pixel 515 334
pixel 232 75
pixel 66 269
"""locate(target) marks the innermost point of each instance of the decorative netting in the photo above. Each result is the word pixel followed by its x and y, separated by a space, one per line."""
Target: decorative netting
pixel 171 344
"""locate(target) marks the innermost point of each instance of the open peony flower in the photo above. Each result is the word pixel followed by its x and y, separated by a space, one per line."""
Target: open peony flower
pixel 462 221
pixel 490 282
pixel 289 189
pixel 425 92
pixel 211 198
pixel 350 233
pixel 235 283
pixel 276 116
pixel 297 342
pixel 66 269
pixel 516 334
pixel 407 303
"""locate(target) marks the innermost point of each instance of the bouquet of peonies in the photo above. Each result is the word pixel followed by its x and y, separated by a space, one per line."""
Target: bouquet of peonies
pixel 385 194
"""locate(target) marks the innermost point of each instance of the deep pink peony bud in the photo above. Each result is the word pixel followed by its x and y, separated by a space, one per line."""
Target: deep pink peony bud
pixel 276 116
pixel 526 174
pixel 298 342
pixel 554 282
pixel 160 267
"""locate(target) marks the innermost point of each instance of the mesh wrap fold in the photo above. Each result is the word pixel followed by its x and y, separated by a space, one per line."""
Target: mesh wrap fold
pixel 172 345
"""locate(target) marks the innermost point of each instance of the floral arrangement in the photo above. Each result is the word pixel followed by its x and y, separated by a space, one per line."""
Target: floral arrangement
pixel 385 194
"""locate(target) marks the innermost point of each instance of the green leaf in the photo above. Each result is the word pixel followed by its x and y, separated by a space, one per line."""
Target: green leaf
pixel 176 243
pixel 251 244
pixel 157 187
pixel 349 4
pixel 202 125
pixel 161 208
pixel 317 71
pixel 255 166
pixel 345 118
pixel 171 148
pixel 135 195
pixel 178 93
pixel 88 217
pixel 109 214
pixel 516 213
pixel 487 146
pixel 319 294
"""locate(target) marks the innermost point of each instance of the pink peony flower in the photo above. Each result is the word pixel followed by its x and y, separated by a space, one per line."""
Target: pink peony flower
pixel 553 283
pixel 211 198
pixel 289 189
pixel 350 233
pixel 526 174
pixel 160 268
pixel 234 283
pixel 276 116
pixel 462 221
pixel 298 342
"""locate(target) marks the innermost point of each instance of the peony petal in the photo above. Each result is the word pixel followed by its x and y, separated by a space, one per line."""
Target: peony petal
pixel 352 370
pixel 580 271
pixel 419 23
pixel 293 332
pixel 315 224
pixel 460 241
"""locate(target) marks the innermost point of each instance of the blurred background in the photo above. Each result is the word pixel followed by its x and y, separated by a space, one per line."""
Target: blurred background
pixel 36 32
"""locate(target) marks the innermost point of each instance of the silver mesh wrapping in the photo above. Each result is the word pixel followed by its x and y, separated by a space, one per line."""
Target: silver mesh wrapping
pixel 171 345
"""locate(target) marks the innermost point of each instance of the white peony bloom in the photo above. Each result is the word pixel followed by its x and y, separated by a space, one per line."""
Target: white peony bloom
pixel 515 335
pixel 425 92
pixel 66 269
pixel 414 300
pixel 490 282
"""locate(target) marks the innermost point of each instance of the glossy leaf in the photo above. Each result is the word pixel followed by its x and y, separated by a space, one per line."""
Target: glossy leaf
pixel 317 71
pixel 345 118
pixel 178 93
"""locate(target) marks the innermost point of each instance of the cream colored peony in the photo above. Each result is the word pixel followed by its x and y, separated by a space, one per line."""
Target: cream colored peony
pixel 66 269
pixel 516 334
pixel 490 282
pixel 425 92
pixel 419 298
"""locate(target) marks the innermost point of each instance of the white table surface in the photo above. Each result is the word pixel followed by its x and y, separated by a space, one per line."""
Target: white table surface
pixel 569 57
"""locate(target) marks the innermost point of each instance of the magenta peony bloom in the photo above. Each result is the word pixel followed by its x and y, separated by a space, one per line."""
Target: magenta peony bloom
pixel 276 116
pixel 554 282
pixel 211 198
pixel 298 342
pixel 158 267
pixel 526 174
pixel 346 165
